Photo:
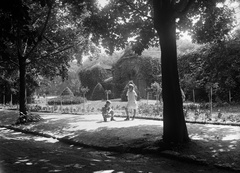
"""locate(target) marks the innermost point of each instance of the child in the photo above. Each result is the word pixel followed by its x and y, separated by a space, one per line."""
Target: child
pixel 132 101
pixel 106 110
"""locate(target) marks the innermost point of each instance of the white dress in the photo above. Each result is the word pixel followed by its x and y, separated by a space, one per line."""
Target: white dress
pixel 132 102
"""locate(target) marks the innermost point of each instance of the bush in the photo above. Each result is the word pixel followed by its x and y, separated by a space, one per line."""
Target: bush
pixel 28 118
pixel 66 100
pixel 98 92
pixel 191 106
pixel 137 68
pixel 91 76
pixel 151 110
pixel 67 92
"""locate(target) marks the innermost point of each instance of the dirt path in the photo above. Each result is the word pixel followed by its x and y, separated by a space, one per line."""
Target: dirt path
pixel 216 144
pixel 21 153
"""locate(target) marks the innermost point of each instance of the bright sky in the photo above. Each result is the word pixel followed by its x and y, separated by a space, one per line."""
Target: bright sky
pixel 102 3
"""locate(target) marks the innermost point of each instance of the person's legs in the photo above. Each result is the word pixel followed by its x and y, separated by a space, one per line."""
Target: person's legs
pixel 134 113
pixel 126 109
pixel 112 116
pixel 104 117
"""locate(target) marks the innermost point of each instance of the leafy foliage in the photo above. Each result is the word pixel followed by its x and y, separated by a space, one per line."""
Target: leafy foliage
pixel 90 77
pixel 66 100
pixel 212 64
pixel 214 24
pixel 67 92
pixel 29 118
pixel 98 93
pixel 135 67
pixel 38 39
pixel 120 20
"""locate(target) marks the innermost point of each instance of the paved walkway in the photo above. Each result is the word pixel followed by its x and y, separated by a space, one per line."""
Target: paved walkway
pixel 214 144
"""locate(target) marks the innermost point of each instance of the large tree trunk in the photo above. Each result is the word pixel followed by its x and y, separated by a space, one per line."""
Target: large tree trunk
pixel 174 129
pixel 22 95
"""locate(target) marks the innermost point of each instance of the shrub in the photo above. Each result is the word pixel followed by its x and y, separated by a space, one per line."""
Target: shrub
pixel 191 106
pixel 67 92
pixel 66 100
pixel 137 68
pixel 98 92
pixel 150 110
pixel 28 118
pixel 91 76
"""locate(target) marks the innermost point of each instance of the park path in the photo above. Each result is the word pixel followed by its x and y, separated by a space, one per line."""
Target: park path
pixel 23 153
pixel 216 144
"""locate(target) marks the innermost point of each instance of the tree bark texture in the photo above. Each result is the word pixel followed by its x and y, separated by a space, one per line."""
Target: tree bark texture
pixel 22 95
pixel 174 130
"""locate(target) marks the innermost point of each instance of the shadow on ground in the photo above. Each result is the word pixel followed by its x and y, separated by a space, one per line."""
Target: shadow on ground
pixel 215 144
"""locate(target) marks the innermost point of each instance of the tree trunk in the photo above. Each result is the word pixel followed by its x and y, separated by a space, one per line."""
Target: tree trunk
pixel 193 96
pixel 22 96
pixel 174 129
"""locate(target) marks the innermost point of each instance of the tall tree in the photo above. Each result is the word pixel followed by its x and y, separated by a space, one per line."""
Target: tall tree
pixel 148 20
pixel 38 37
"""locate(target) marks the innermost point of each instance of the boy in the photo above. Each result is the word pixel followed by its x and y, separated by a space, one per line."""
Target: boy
pixel 106 110
pixel 132 101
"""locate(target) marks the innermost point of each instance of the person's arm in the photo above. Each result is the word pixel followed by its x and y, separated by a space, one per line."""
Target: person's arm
pixel 127 94
pixel 135 94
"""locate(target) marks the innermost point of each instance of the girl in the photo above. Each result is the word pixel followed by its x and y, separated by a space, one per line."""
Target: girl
pixel 132 101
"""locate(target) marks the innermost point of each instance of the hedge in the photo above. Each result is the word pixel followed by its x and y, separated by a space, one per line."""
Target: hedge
pixel 65 100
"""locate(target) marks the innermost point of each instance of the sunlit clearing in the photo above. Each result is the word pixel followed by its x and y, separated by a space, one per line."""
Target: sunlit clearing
pixel 104 171
pixel 102 3
pixel 50 140
pixel 231 137
pixel 196 137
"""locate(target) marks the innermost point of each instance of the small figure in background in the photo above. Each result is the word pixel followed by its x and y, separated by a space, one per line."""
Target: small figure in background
pixel 106 110
pixel 132 101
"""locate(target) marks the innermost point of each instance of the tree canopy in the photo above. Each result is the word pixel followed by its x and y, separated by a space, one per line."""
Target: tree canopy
pixel 216 64
pixel 38 37
pixel 119 20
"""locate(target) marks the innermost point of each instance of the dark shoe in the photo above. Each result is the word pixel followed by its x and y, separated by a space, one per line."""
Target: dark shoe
pixel 112 119
pixel 127 119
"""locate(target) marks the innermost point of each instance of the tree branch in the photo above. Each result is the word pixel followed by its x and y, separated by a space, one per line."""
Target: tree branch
pixel 47 40
pixel 11 61
pixel 41 33
pixel 16 64
pixel 137 10
pixel 25 49
pixel 52 54
pixel 69 47
pixel 186 8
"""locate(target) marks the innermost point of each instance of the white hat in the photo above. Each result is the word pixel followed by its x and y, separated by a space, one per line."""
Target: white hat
pixel 108 101
pixel 131 85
